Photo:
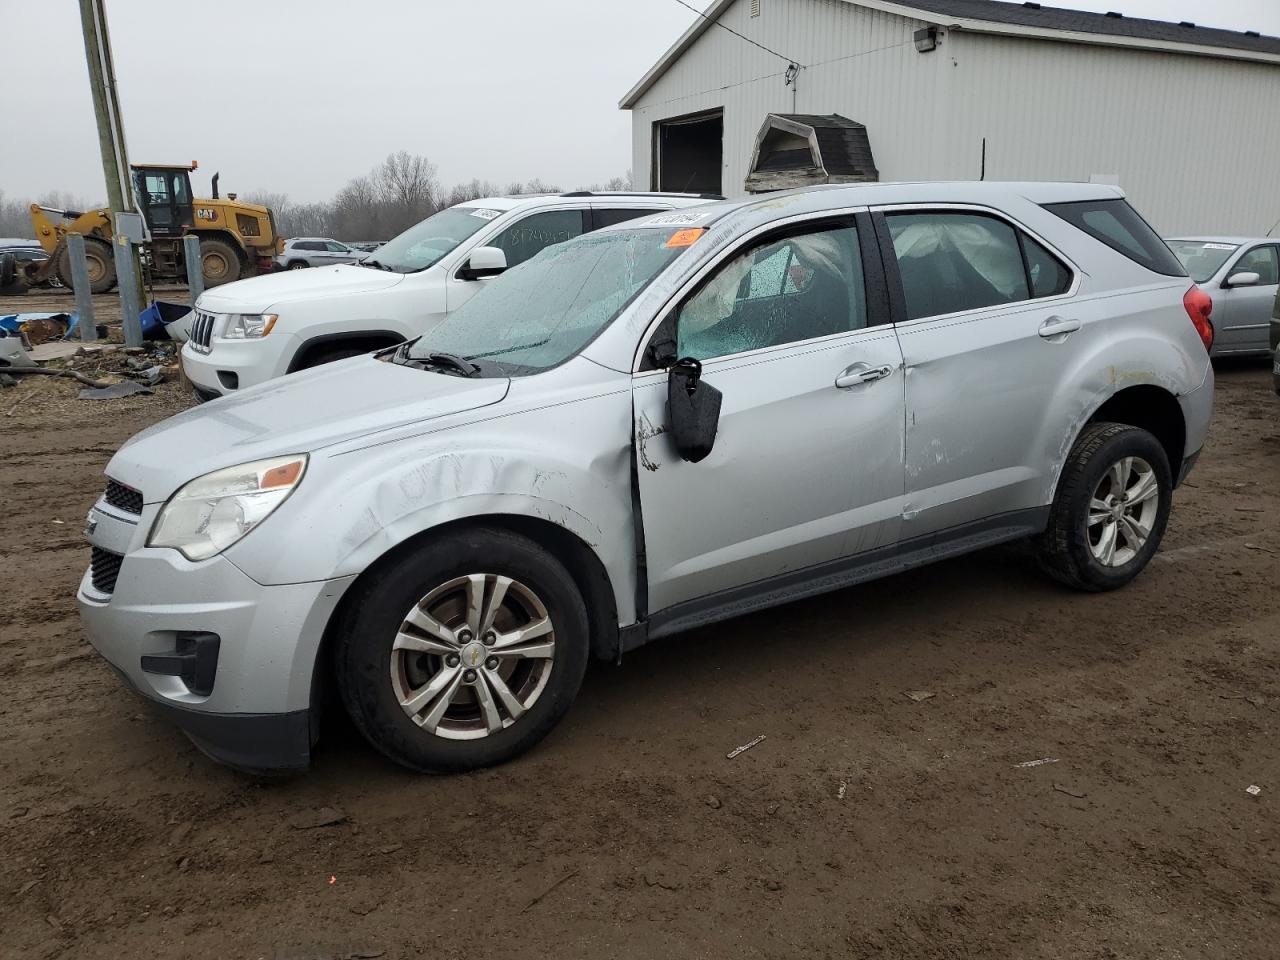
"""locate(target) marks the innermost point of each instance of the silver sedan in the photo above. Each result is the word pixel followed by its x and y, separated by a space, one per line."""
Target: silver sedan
pixel 1241 274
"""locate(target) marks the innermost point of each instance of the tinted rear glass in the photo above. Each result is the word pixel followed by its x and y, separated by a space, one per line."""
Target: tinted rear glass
pixel 1118 225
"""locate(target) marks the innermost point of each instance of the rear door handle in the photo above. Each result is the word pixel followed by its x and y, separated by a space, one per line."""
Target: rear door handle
pixel 861 373
pixel 1058 327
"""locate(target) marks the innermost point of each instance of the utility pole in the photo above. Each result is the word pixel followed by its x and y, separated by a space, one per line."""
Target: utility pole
pixel 106 108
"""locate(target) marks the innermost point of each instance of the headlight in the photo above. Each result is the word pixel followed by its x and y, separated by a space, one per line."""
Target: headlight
pixel 212 512
pixel 248 326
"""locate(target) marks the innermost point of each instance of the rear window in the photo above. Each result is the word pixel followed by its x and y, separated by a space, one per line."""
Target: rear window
pixel 1118 225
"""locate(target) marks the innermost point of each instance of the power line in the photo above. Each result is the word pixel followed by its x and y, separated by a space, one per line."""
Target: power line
pixel 781 73
pixel 737 34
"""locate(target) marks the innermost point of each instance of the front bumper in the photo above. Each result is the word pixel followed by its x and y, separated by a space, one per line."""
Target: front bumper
pixel 235 364
pixel 255 712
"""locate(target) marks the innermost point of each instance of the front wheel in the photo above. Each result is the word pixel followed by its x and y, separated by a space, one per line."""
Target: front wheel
pixel 464 653
pixel 1111 508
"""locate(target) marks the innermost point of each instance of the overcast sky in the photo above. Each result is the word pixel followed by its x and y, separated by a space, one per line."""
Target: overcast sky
pixel 298 96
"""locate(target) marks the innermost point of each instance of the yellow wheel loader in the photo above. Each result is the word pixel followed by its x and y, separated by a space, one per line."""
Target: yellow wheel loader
pixel 236 239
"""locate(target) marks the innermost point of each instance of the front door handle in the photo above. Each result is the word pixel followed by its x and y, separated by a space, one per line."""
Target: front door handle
pixel 1058 327
pixel 861 373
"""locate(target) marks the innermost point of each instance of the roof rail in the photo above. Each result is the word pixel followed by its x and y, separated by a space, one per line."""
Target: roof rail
pixel 641 193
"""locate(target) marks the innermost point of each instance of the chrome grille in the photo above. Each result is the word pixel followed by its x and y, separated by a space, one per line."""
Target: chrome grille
pixel 126 498
pixel 202 331
pixel 105 569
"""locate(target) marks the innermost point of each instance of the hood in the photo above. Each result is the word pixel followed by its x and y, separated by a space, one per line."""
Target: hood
pixel 301 413
pixel 261 293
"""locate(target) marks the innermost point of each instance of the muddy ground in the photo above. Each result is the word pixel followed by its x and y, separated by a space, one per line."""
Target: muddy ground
pixel 866 824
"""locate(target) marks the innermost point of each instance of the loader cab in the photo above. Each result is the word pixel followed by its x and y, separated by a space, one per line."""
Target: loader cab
pixel 164 193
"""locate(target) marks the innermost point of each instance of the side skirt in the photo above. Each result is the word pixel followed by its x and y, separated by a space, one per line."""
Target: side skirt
pixel 836 574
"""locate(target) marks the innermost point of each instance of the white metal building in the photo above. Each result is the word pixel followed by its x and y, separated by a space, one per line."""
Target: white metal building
pixel 1183 117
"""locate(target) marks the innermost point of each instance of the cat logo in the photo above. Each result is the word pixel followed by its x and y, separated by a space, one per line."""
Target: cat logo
pixel 206 213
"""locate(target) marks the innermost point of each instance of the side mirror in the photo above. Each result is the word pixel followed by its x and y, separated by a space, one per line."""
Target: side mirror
pixel 484 262
pixel 694 408
pixel 1246 278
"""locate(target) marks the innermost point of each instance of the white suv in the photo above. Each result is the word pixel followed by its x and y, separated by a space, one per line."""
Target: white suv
pixel 244 333
pixel 302 252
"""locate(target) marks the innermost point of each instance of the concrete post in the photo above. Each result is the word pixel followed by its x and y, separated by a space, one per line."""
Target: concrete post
pixel 128 280
pixel 195 275
pixel 80 284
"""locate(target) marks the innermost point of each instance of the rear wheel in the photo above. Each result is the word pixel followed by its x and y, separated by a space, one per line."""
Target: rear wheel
pixel 99 260
pixel 464 654
pixel 219 262
pixel 1111 509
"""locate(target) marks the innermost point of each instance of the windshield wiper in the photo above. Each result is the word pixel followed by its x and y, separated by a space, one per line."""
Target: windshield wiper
pixel 376 264
pixel 450 361
pixel 522 346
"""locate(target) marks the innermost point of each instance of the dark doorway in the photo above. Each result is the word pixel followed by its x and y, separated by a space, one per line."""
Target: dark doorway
pixel 688 153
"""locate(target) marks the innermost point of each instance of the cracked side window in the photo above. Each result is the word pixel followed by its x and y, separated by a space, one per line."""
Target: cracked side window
pixel 784 291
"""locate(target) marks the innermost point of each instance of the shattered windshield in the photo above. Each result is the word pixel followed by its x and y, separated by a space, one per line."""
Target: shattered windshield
pixel 423 245
pixel 539 314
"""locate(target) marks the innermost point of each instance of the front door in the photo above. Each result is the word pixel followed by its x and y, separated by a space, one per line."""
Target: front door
pixel 165 197
pixel 989 333
pixel 1242 315
pixel 807 461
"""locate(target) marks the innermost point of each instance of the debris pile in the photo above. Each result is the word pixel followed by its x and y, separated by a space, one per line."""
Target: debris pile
pixel 107 371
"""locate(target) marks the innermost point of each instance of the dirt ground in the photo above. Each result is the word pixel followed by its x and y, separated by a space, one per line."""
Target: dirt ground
pixel 866 824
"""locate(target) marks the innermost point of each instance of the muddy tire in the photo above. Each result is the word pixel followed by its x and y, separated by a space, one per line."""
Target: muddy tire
pixel 220 262
pixel 463 652
pixel 1111 508
pixel 98 258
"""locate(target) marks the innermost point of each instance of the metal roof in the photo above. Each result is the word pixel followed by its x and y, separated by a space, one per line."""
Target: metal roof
pixel 1106 24
pixel 1027 20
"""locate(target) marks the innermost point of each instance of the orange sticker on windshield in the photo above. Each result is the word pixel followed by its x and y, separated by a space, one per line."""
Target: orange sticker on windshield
pixel 683 238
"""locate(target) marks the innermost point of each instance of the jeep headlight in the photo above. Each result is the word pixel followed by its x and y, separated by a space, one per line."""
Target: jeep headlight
pixel 212 512
pixel 248 326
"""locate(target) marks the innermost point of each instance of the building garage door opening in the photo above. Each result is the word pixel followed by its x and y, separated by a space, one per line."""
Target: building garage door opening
pixel 689 153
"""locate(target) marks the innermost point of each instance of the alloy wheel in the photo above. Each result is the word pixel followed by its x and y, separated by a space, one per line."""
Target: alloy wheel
pixel 1122 511
pixel 472 656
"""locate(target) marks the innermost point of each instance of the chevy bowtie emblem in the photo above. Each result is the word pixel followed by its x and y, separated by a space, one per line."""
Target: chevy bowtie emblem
pixel 90 524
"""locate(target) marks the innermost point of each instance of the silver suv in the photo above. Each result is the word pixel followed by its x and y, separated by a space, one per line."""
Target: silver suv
pixel 302 252
pixel 681 419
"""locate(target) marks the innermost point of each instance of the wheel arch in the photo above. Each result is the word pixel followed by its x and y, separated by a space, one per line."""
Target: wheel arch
pixel 1151 408
pixel 582 562
pixel 375 339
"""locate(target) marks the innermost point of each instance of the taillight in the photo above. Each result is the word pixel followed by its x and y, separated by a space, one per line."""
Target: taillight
pixel 1199 305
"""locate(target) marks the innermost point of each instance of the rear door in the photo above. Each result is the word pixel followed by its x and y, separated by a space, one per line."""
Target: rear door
pixel 807 462
pixel 989 329
pixel 1242 315
pixel 607 214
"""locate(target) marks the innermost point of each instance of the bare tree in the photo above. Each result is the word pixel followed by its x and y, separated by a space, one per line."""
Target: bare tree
pixel 15 219
pixel 406 188
pixel 401 191
pixel 472 191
